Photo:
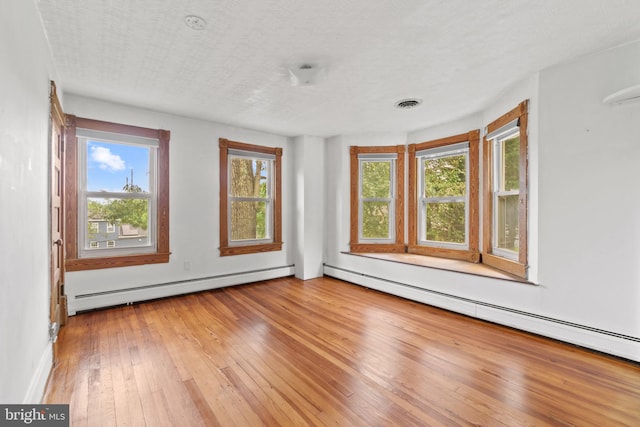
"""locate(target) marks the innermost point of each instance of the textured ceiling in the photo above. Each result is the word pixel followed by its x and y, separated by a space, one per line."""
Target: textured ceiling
pixel 456 55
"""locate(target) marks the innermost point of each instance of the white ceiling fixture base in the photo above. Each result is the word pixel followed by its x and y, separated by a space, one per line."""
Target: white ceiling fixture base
pixel 306 75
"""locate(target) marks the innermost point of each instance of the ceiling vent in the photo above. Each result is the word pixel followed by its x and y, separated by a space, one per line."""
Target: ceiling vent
pixel 405 104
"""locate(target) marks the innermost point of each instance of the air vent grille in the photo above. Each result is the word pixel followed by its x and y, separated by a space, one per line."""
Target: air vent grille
pixel 408 103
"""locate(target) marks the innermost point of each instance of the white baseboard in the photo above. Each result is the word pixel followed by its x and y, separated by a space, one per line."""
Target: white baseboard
pixel 82 302
pixel 604 341
pixel 35 392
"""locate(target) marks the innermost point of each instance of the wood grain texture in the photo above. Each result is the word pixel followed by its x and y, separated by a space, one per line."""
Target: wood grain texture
pixel 520 266
pixel 324 352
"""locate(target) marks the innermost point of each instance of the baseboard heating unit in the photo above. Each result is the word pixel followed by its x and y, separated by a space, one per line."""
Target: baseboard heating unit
pixel 617 344
pixel 91 300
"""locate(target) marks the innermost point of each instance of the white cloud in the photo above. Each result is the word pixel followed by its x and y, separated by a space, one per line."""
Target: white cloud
pixel 106 159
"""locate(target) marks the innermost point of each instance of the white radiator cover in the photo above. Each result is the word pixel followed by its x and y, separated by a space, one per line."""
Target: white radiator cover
pixel 83 302
pixel 607 342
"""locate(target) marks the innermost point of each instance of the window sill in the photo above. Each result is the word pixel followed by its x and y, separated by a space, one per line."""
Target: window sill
pixel 116 261
pixel 250 249
pixel 457 266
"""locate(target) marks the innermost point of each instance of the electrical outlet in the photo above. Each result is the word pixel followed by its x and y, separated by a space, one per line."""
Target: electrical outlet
pixel 187 265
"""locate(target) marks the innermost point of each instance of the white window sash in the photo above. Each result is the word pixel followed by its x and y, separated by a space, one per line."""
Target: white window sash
pixel 437 153
pixel 498 137
pixel 503 130
pixel 84 249
pixel 251 155
pixel 382 158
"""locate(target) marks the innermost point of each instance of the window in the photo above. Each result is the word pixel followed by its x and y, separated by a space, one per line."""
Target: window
pixel 250 198
pixel 121 180
pixel 443 197
pixel 505 192
pixel 377 183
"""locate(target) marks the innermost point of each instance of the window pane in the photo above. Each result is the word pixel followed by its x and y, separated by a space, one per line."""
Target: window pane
pixel 445 222
pixel 117 167
pixel 248 220
pixel 507 226
pixel 445 176
pixel 129 219
pixel 510 167
pixel 248 177
pixel 376 179
pixel 375 220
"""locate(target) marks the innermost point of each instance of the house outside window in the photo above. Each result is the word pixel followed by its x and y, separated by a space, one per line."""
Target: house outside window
pixel 108 193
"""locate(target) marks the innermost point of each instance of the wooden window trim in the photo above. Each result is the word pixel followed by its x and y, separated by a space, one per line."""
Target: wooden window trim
pixel 162 253
pixel 472 254
pixel 276 245
pixel 398 246
pixel 519 267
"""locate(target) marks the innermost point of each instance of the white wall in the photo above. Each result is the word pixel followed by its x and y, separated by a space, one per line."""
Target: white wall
pixel 308 164
pixel 25 71
pixel 589 187
pixel 194 214
pixel 584 222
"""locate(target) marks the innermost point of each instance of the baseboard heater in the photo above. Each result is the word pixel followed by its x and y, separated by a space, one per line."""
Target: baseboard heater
pixel 631 340
pixel 92 300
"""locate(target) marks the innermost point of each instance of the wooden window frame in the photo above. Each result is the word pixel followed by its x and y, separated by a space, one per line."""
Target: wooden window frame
pixel 276 245
pixel 398 246
pixel 161 253
pixel 472 253
pixel 519 267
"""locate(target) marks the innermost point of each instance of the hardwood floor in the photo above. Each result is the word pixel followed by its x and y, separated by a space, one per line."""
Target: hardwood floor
pixel 324 352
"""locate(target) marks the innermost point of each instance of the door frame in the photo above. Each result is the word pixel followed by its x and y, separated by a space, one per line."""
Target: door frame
pixel 58 299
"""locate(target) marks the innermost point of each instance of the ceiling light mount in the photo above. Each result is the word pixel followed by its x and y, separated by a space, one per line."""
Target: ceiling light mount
pixel 624 96
pixel 405 104
pixel 195 22
pixel 305 74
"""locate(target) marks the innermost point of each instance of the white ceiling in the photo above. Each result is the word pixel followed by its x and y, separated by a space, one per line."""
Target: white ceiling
pixel 456 55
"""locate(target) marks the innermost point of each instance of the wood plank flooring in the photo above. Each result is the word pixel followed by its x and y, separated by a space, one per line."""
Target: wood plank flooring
pixel 326 353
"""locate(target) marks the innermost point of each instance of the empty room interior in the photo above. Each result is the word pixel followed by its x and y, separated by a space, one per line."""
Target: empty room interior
pixel 332 212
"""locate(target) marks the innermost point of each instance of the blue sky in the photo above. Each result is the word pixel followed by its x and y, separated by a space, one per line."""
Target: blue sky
pixel 110 164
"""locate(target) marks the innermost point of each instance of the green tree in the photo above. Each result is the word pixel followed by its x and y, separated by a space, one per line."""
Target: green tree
pixel 248 218
pixel 376 184
pixel 445 177
pixel 511 160
pixel 507 205
pixel 134 212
